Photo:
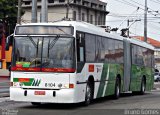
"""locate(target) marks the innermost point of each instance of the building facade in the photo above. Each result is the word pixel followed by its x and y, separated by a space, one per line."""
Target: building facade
pixel 91 11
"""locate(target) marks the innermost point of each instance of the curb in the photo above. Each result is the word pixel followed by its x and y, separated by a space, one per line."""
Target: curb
pixel 2 95
pixel 155 89
pixel 4 99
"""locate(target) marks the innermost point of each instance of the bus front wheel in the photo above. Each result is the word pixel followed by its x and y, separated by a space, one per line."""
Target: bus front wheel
pixel 89 94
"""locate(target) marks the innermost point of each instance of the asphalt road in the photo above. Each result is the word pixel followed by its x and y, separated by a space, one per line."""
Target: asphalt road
pixel 127 104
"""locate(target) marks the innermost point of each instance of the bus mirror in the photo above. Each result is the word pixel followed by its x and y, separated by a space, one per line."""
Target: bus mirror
pixel 8 41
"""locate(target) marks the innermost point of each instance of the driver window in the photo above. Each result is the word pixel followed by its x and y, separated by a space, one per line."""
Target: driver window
pixel 80 39
pixel 80 46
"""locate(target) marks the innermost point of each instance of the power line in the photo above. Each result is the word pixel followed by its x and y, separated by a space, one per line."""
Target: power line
pixel 158 0
pixel 155 1
pixel 133 5
pixel 143 5
pixel 137 2
pixel 127 3
pixel 142 30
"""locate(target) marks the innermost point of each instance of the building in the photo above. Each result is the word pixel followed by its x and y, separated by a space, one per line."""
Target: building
pixel 5 56
pixel 91 11
pixel 156 44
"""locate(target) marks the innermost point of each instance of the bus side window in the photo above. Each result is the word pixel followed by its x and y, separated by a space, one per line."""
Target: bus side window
pixel 81 54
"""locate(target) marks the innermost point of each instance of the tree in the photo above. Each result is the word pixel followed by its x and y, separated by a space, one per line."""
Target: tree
pixel 8 14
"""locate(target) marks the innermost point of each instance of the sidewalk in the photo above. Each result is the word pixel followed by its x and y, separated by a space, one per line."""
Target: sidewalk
pixel 4 83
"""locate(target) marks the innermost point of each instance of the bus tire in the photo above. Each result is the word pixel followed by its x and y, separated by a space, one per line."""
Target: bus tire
pixel 36 103
pixel 143 86
pixel 89 94
pixel 117 89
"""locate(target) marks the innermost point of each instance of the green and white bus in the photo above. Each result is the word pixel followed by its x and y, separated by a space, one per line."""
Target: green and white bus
pixel 72 62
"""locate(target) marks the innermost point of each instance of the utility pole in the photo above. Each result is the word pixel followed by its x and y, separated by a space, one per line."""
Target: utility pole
pixel 34 11
pixel 19 12
pixel 67 11
pixel 145 21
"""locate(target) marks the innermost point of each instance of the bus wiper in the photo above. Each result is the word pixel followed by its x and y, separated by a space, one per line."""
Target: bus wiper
pixel 51 45
pixel 35 45
pixel 30 38
pixel 48 48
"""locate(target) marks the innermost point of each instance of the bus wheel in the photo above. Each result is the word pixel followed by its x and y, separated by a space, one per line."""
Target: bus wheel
pixel 143 86
pixel 117 89
pixel 89 94
pixel 35 103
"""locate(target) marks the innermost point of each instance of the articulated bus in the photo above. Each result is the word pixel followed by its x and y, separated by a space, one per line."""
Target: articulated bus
pixel 72 62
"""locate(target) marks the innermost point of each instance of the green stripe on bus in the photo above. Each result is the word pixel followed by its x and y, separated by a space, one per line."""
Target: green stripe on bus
pixel 115 69
pixel 36 82
pixel 103 78
pixel 137 73
pixel 15 80
pixel 28 83
pixel 24 83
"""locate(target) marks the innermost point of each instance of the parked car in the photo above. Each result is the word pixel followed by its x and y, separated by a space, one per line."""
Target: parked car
pixel 157 76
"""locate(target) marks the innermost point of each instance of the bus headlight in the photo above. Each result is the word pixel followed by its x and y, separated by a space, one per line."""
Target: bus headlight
pixel 16 84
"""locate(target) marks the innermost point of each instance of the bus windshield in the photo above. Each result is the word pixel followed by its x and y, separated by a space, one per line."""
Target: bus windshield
pixel 43 54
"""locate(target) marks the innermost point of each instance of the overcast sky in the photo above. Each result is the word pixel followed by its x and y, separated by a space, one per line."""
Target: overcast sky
pixel 127 9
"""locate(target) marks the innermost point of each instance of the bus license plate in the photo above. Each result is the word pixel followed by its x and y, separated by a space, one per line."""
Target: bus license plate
pixel 39 93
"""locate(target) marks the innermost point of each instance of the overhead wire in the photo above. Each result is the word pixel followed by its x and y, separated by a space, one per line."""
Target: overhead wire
pixel 134 16
pixel 133 5
pixel 155 1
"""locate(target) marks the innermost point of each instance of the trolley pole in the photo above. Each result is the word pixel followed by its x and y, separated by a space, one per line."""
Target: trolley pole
pixel 19 12
pixel 128 28
pixel 145 21
pixel 128 24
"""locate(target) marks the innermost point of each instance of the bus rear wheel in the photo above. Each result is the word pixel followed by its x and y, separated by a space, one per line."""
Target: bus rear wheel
pixel 143 86
pixel 117 89
pixel 89 94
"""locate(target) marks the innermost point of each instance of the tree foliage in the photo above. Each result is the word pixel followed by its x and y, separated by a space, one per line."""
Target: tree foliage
pixel 8 14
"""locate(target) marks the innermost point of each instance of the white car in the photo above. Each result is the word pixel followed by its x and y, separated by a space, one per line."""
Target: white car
pixel 157 76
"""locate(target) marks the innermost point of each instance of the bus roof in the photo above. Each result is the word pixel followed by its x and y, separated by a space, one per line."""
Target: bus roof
pixel 90 28
pixel 81 26
pixel 141 43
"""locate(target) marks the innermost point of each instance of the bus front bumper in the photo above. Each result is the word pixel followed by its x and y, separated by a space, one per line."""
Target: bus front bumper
pixel 46 96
